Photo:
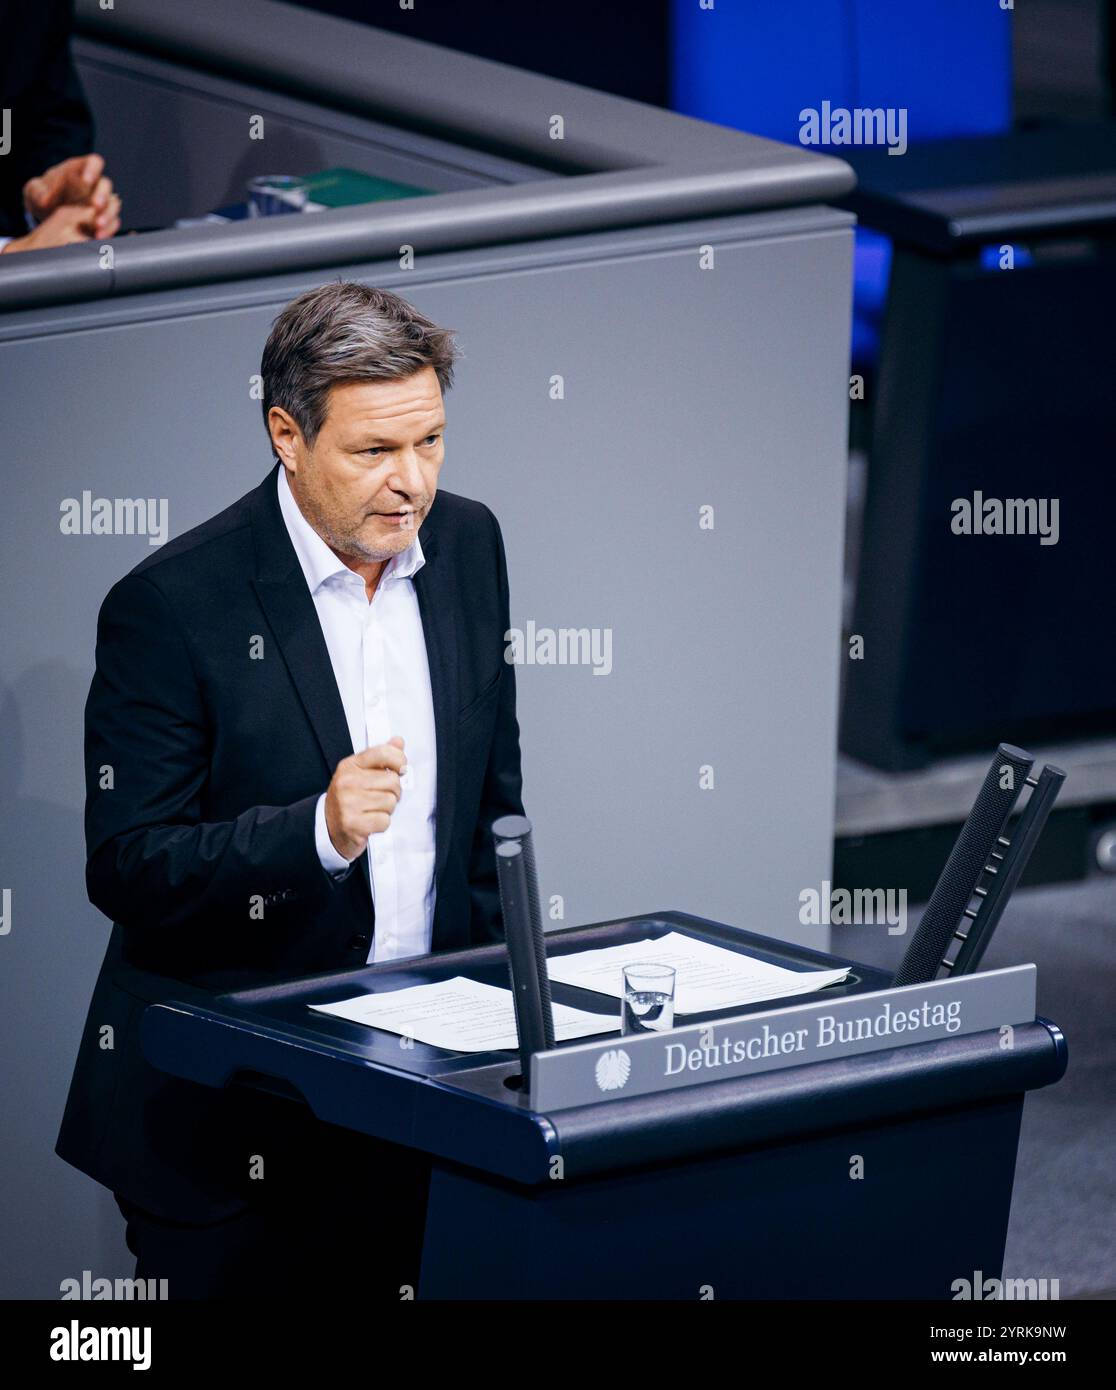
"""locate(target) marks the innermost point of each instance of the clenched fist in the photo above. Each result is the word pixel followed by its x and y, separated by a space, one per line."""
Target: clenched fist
pixel 362 795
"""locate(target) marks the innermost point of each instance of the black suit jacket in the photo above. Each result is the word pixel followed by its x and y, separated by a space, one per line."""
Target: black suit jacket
pixel 50 120
pixel 205 756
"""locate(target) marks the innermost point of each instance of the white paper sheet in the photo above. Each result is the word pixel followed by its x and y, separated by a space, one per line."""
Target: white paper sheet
pixel 460 1014
pixel 707 976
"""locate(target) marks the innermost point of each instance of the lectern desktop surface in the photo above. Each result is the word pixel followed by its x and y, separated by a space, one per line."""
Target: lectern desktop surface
pixel 284 1009
pixel 471 1108
pixel 289 1004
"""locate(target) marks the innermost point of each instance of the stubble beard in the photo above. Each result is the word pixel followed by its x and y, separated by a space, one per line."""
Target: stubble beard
pixel 353 544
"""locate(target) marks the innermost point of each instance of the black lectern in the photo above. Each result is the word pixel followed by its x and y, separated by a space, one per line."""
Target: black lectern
pixel 835 1178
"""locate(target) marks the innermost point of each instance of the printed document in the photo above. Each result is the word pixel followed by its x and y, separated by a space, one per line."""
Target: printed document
pixel 460 1014
pixel 707 977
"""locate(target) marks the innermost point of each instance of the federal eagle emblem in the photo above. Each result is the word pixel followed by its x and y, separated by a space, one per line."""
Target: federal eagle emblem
pixel 613 1069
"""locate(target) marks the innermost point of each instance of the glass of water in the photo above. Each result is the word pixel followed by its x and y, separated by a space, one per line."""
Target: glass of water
pixel 270 195
pixel 648 999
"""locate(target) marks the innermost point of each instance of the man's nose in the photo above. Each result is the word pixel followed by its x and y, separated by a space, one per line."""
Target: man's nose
pixel 407 474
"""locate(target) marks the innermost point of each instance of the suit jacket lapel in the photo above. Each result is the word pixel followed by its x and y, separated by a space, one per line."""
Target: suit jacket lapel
pixel 289 608
pixel 285 598
pixel 438 606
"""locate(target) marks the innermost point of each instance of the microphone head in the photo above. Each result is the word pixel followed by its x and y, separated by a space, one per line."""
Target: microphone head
pixel 511 828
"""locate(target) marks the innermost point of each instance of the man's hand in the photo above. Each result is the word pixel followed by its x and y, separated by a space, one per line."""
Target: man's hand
pixel 80 182
pixel 362 795
pixel 63 227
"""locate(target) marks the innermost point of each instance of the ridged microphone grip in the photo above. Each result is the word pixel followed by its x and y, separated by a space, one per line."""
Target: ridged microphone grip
pixel 966 862
pixel 1025 834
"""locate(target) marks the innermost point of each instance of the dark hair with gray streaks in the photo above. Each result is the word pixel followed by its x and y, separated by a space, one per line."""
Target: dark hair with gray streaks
pixel 344 332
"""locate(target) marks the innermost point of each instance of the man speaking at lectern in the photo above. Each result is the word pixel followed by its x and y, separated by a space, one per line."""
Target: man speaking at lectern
pixel 299 733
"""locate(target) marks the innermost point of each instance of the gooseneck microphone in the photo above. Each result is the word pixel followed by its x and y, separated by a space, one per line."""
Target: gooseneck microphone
pixel 526 942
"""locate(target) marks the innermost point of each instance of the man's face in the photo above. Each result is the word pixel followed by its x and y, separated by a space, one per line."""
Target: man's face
pixel 369 479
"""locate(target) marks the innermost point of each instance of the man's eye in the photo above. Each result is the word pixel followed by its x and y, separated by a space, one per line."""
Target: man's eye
pixel 431 439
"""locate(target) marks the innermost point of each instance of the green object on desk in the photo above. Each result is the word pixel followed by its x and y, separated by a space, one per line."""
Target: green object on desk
pixel 342 188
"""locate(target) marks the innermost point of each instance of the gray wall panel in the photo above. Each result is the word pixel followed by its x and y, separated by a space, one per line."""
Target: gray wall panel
pixel 683 387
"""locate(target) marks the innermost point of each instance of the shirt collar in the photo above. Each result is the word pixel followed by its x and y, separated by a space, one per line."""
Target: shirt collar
pixel 318 561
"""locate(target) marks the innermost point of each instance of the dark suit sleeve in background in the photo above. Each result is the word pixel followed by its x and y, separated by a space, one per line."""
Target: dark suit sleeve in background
pixel 152 861
pixel 503 782
pixel 50 118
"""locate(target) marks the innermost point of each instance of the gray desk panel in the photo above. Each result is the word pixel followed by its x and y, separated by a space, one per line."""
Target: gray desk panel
pixel 205 159
pixel 627 164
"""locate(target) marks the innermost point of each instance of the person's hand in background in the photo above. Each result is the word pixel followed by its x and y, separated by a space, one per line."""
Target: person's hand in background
pixel 63 227
pixel 79 181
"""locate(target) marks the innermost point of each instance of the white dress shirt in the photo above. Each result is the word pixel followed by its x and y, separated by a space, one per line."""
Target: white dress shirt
pixel 378 654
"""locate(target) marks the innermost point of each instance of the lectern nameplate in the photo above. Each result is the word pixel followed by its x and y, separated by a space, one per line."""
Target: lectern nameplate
pixel 597 1072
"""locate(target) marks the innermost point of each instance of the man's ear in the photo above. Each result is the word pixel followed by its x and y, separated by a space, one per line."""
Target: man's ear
pixel 286 437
